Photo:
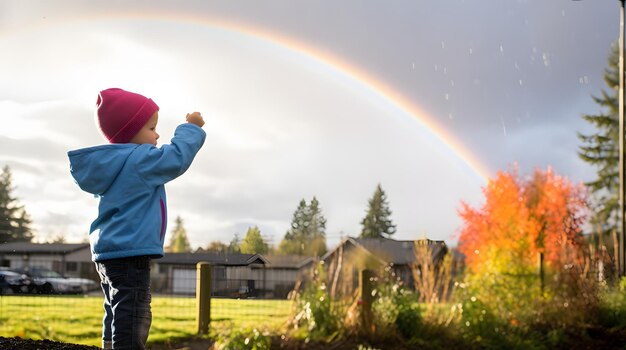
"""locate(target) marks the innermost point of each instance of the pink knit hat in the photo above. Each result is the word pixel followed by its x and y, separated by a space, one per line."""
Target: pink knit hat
pixel 121 114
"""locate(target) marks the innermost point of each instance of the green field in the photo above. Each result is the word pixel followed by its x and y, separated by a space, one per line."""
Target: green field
pixel 78 319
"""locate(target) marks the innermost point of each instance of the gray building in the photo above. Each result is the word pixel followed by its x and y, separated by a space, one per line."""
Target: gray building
pixel 344 263
pixel 69 259
pixel 234 275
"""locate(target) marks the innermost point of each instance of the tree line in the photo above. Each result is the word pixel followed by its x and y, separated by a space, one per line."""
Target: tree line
pixel 306 235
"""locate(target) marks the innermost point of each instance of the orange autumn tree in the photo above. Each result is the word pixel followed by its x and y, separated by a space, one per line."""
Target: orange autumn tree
pixel 521 218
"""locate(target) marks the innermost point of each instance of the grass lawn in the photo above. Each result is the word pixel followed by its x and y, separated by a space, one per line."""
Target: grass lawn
pixel 78 319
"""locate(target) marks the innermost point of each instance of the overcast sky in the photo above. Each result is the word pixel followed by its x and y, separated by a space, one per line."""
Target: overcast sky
pixel 303 99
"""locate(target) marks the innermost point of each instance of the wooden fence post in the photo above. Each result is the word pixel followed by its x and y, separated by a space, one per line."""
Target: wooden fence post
pixel 203 296
pixel 541 272
pixel 366 286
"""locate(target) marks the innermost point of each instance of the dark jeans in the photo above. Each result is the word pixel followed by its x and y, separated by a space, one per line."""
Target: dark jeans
pixel 127 315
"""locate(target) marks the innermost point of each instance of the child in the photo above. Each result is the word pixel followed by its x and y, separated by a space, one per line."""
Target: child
pixel 128 177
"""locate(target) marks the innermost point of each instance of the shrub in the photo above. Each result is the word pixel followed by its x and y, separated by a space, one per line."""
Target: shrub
pixel 612 308
pixel 409 319
pixel 478 322
pixel 314 309
pixel 243 339
pixel 395 308
pixel 496 309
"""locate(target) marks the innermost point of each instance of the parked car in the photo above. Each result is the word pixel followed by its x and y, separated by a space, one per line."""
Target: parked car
pixel 48 281
pixel 12 282
pixel 243 292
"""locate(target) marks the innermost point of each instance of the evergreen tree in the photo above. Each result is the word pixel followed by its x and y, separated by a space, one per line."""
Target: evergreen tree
pixel 307 235
pixel 317 226
pixel 602 150
pixel 14 220
pixel 377 222
pixel 233 246
pixel 253 243
pixel 179 242
pixel 293 242
pixel 317 229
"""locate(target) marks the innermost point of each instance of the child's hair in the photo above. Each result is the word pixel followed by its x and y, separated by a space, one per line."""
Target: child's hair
pixel 121 114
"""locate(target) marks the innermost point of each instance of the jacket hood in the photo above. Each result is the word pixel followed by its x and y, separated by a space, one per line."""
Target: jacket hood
pixel 95 168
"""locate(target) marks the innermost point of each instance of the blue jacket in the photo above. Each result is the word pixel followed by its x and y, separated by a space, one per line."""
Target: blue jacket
pixel 129 179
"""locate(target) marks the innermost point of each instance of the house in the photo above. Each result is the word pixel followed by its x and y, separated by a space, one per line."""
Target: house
pixel 233 274
pixel 344 263
pixel 176 272
pixel 71 260
pixel 283 272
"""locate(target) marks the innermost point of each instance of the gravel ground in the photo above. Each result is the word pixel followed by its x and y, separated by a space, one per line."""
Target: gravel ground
pixel 18 343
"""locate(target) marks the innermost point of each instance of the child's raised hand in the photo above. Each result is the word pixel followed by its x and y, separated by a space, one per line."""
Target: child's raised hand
pixel 195 118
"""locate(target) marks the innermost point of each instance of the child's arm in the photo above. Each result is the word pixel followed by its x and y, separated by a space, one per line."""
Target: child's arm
pixel 160 165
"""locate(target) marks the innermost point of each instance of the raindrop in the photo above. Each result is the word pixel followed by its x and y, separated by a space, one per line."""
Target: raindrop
pixel 450 116
pixel 447 96
pixel 520 81
pixel 452 83
pixel 501 49
pixel 471 51
pixel 546 59
pixel 413 65
pixel 443 45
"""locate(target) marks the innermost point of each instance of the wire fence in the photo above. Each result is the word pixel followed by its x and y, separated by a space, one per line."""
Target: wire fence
pixel 43 299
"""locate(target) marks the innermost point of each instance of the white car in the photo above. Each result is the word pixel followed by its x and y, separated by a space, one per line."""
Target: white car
pixel 51 282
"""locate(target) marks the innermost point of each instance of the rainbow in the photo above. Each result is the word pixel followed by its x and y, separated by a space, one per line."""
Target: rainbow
pixel 367 80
